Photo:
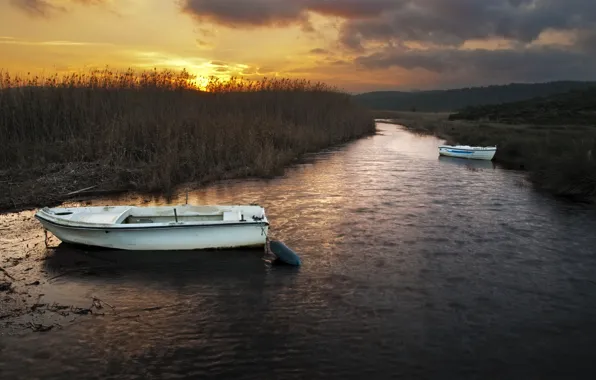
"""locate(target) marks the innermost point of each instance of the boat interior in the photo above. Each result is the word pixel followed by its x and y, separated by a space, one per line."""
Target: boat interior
pixel 174 215
pixel 132 219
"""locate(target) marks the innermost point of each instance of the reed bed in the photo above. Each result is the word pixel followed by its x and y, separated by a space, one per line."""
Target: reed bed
pixel 153 130
pixel 560 159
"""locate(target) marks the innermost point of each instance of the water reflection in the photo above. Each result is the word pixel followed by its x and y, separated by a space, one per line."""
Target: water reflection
pixel 155 266
pixel 412 265
pixel 468 164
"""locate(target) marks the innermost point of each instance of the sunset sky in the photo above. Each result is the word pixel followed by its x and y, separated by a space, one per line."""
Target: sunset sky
pixel 358 45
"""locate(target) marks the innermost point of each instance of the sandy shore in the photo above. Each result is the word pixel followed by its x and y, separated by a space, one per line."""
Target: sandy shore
pixel 27 273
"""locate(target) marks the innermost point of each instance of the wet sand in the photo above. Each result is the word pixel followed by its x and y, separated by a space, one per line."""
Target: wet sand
pixel 26 280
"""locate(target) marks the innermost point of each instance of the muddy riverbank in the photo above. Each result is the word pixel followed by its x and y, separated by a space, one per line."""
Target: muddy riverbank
pixel 25 279
pixel 77 182
pixel 27 188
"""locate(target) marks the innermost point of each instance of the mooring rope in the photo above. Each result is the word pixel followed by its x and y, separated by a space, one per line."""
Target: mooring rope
pixel 267 240
pixel 47 239
pixel 45 235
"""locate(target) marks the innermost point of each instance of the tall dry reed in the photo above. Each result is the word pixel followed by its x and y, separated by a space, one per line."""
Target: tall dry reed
pixel 160 127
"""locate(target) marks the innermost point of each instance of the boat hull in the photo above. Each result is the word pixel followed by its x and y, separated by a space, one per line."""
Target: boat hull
pixel 163 238
pixel 472 154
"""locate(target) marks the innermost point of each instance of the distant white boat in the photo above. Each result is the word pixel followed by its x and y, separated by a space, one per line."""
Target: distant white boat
pixel 183 227
pixel 470 152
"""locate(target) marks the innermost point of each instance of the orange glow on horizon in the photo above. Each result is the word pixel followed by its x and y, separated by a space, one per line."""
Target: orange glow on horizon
pixel 70 36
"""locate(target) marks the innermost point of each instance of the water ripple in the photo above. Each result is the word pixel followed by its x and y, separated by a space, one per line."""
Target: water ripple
pixel 414 267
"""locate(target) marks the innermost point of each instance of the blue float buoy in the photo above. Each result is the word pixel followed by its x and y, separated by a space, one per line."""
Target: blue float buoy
pixel 284 253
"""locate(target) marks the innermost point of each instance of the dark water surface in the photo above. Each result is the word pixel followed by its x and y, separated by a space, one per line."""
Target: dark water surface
pixel 413 267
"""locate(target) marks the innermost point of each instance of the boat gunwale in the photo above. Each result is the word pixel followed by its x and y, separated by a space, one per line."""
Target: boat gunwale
pixel 471 149
pixel 146 226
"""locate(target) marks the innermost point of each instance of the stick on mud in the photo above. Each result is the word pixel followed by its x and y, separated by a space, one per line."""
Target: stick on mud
pixel 7 274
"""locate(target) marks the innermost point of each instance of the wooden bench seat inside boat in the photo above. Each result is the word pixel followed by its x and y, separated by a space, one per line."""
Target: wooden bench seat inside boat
pixel 183 214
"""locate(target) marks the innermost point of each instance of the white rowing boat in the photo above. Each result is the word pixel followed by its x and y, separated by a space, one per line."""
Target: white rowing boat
pixel 470 152
pixel 183 227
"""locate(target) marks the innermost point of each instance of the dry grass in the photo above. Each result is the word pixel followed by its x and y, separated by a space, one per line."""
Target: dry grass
pixel 159 130
pixel 559 159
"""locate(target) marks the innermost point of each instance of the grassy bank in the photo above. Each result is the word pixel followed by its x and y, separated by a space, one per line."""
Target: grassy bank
pixel 150 131
pixel 559 159
pixel 460 98
pixel 570 108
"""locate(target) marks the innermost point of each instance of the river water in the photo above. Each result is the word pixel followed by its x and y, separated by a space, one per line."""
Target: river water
pixel 413 267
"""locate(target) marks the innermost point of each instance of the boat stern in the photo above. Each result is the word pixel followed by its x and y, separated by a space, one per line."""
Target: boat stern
pixel 255 213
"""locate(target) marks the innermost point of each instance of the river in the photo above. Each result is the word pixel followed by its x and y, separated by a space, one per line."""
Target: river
pixel 413 267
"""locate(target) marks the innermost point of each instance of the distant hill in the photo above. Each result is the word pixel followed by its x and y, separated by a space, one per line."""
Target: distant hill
pixel 457 99
pixel 572 107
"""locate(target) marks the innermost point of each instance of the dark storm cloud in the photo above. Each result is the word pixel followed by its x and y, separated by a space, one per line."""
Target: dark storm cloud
pixel 451 22
pixel 532 64
pixel 237 13
pixel 319 51
pixel 586 40
pixel 45 8
pixel 447 24
pixel 255 13
pixel 351 9
pixel 442 22
pixel 37 8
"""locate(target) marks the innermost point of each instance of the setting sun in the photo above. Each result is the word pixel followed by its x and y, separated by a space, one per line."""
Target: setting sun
pixel 356 45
